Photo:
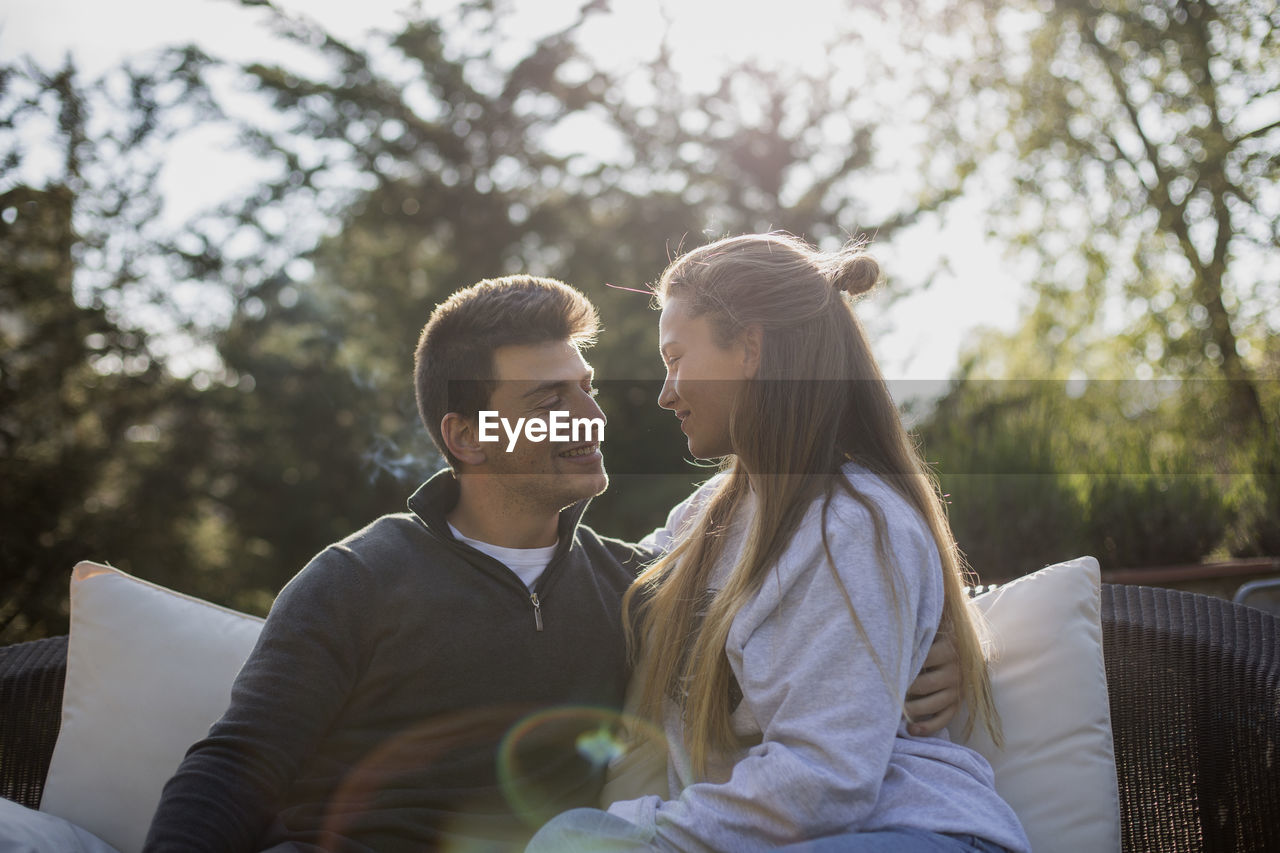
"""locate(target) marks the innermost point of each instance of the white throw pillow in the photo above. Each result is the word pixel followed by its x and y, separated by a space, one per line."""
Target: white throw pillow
pixel 149 671
pixel 1057 769
pixel 24 830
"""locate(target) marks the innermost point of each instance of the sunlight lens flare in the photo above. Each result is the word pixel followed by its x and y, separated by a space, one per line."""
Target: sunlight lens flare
pixel 605 737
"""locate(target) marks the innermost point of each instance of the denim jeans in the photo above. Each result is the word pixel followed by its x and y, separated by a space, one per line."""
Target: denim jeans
pixel 588 831
pixel 894 840
pixel 595 831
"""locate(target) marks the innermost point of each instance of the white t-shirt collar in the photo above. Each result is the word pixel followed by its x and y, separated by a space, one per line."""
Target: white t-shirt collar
pixel 527 563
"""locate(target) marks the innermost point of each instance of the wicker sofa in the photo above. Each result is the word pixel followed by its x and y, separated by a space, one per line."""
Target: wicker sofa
pixel 1194 687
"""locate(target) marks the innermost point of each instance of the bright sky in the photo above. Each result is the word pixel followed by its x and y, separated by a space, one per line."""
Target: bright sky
pixel 918 338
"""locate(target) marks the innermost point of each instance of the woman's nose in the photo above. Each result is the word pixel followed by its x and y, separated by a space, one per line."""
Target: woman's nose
pixel 667 396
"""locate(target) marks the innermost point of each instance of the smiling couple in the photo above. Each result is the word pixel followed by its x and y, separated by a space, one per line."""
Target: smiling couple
pixel 441 679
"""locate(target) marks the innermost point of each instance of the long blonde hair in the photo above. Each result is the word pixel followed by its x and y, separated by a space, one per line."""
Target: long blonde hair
pixel 818 400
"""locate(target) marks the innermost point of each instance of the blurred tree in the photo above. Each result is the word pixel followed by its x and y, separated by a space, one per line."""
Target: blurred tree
pixel 81 386
pixel 453 185
pixel 1007 475
pixel 808 146
pixel 78 445
pixel 1139 141
pixel 288 463
pixel 1130 148
pixel 457 183
pixel 105 141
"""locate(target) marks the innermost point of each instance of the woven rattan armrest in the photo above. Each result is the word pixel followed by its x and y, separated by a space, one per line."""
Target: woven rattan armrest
pixel 1194 686
pixel 31 678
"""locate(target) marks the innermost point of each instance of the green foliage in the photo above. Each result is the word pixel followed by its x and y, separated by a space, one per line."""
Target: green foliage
pixel 83 470
pixel 1135 473
pixel 1257 532
pixel 996 448
pixel 1134 173
pixel 291 464
pixel 1150 520
pixel 104 454
pixel 77 397
pixel 1135 168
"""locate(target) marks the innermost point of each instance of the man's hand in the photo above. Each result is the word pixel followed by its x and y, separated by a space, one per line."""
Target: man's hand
pixel 934 697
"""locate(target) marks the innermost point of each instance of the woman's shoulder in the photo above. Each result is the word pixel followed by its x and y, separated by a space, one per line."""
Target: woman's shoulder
pixel 683 513
pixel 682 516
pixel 859 530
pixel 873 493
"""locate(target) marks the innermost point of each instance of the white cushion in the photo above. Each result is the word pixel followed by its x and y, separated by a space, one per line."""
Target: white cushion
pixel 24 830
pixel 148 672
pixel 1057 769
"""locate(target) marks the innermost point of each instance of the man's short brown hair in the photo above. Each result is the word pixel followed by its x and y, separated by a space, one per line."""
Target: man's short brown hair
pixel 453 366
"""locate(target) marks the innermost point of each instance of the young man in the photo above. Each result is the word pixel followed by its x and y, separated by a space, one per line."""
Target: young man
pixel 435 681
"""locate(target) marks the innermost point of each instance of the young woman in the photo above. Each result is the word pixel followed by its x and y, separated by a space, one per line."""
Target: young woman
pixel 806 582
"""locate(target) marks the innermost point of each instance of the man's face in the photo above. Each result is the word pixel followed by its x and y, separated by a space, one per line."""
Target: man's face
pixel 531 382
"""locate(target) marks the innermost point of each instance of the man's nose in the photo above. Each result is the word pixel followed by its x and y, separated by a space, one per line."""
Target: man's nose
pixel 591 409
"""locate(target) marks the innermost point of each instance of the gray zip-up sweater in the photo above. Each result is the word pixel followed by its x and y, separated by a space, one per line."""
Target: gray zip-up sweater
pixel 372 713
pixel 825 749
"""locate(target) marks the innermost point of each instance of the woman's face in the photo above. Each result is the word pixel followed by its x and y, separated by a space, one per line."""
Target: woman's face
pixel 703 378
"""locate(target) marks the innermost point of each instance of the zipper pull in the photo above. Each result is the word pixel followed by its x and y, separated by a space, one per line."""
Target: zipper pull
pixel 537 610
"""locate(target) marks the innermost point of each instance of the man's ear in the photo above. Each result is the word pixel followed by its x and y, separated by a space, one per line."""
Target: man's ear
pixel 752 341
pixel 462 438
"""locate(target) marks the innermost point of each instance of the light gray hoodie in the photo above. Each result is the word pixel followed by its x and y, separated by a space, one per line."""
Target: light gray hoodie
pixel 825 747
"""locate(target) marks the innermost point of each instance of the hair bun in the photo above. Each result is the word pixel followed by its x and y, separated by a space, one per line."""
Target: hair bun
pixel 855 272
